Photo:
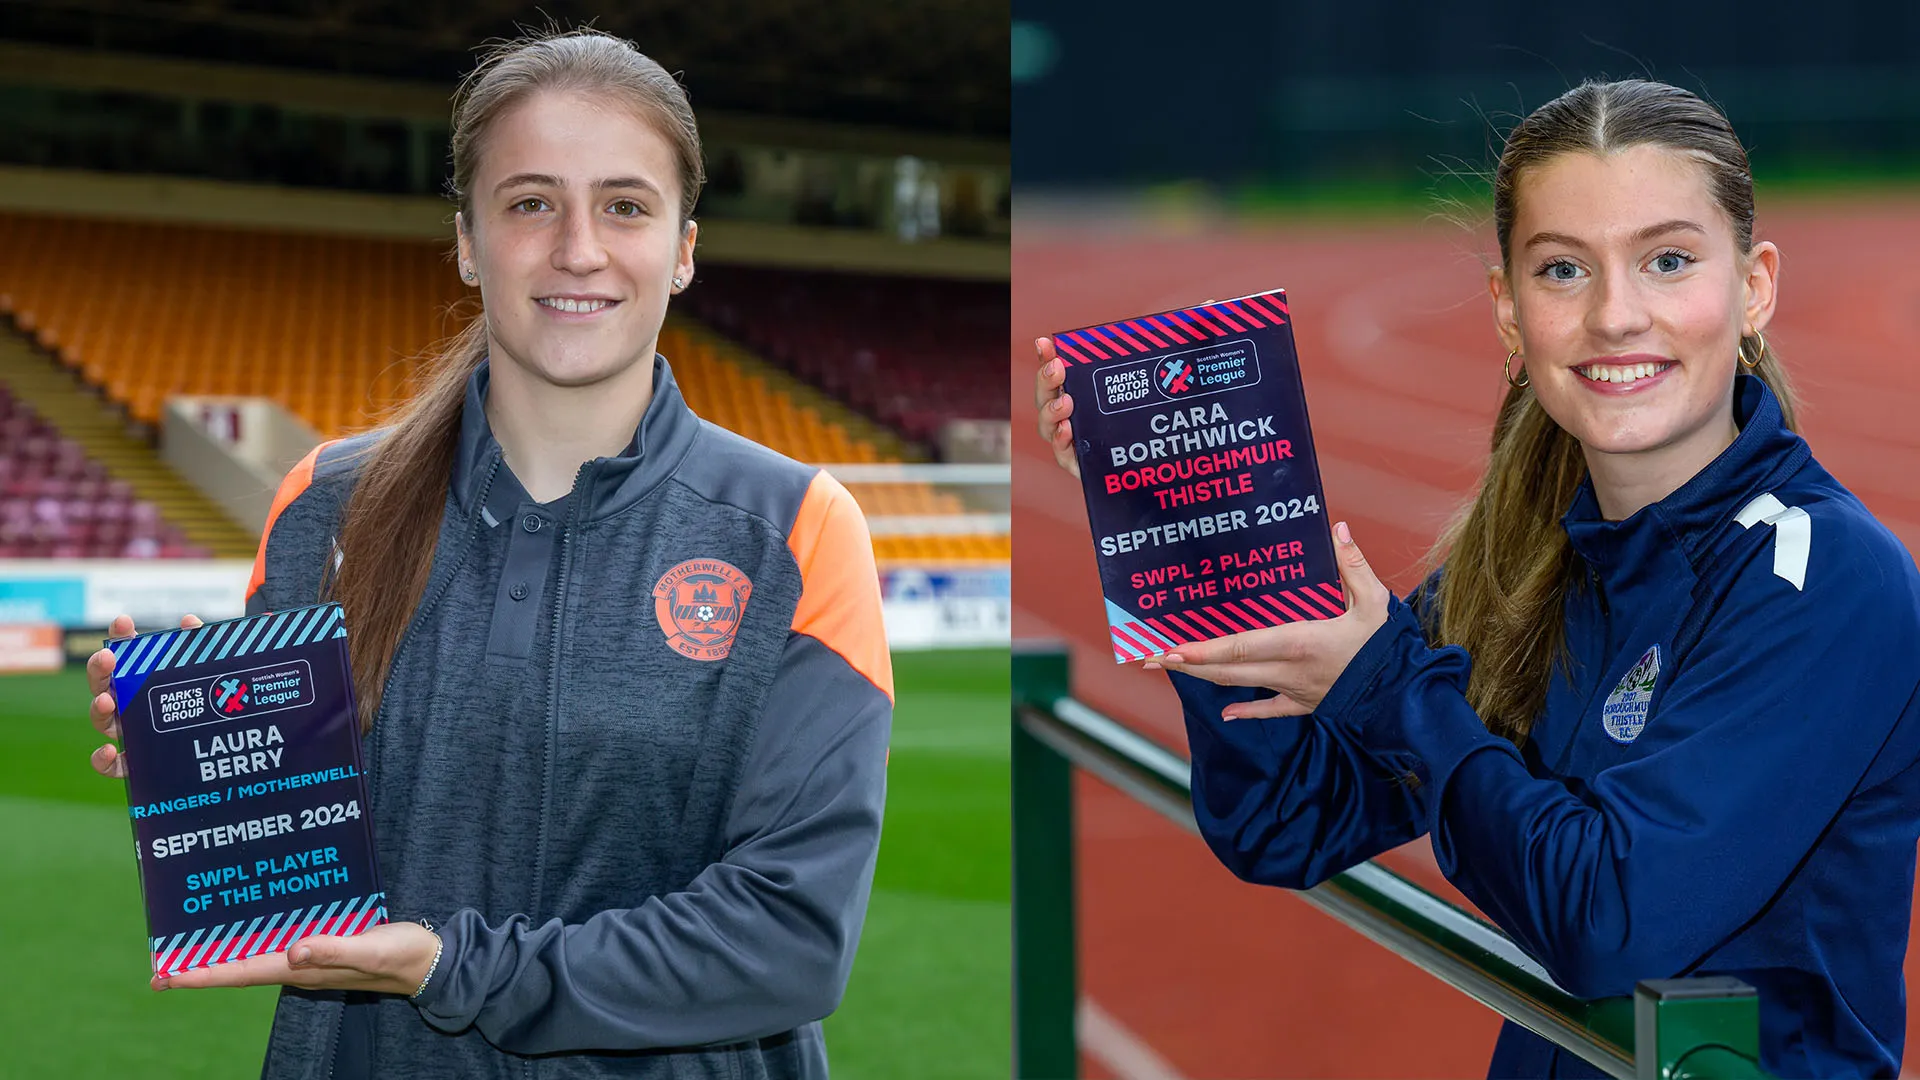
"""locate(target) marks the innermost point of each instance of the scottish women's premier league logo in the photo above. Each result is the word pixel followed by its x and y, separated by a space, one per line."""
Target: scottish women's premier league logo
pixel 1174 375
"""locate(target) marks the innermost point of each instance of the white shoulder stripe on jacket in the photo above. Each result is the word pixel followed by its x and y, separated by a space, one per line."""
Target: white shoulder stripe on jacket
pixel 1792 535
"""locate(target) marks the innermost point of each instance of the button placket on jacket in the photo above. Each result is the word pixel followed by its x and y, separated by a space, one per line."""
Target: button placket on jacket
pixel 520 594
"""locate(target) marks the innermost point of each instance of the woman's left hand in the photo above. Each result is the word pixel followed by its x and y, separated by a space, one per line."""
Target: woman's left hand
pixel 390 959
pixel 1299 660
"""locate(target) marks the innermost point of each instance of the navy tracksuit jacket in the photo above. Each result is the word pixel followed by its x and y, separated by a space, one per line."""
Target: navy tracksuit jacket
pixel 1723 782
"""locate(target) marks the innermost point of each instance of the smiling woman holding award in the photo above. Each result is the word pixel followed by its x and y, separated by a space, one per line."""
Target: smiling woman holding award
pixel 622 676
pixel 1657 707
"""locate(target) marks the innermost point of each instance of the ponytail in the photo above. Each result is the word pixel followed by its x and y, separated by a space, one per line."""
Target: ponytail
pixel 392 519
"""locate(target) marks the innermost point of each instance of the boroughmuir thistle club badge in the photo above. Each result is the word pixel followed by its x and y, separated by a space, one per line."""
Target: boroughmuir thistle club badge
pixel 1625 711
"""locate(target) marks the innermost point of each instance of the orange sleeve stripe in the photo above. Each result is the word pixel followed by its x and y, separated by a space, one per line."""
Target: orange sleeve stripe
pixel 839 585
pixel 296 482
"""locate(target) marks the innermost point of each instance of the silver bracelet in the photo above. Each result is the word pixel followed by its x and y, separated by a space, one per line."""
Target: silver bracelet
pixel 439 945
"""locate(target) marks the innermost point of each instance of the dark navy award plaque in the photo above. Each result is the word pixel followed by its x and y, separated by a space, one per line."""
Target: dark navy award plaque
pixel 246 786
pixel 1202 487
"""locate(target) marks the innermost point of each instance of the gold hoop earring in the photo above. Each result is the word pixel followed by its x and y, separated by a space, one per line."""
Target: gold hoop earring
pixel 1761 355
pixel 1524 381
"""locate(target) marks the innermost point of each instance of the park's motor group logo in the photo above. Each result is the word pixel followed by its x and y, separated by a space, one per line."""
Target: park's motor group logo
pixel 1181 376
pixel 271 688
pixel 698 604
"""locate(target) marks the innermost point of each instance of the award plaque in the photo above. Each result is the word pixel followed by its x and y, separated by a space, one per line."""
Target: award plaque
pixel 1201 483
pixel 246 786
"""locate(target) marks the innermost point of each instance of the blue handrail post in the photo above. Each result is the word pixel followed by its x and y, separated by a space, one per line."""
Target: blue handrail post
pixel 1045 978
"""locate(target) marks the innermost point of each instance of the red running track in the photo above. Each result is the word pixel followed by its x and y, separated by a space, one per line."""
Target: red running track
pixel 1223 979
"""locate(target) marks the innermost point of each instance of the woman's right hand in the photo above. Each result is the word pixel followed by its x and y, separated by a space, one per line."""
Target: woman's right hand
pixel 105 712
pixel 1054 406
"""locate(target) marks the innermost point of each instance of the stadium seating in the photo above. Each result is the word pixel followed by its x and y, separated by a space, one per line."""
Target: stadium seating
pixel 744 402
pixel 332 326
pixel 57 503
pixel 912 353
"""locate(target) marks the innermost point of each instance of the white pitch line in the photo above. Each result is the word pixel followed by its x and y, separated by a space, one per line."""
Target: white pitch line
pixel 1109 1042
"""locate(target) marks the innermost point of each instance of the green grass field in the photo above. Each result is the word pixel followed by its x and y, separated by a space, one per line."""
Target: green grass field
pixel 929 996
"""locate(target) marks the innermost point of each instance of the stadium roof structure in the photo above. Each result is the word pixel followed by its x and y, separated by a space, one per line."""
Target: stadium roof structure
pixel 930 65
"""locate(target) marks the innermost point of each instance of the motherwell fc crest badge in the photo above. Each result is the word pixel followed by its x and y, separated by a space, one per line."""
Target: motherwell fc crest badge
pixel 699 604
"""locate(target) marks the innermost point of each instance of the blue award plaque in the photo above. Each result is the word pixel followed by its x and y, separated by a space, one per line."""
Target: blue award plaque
pixel 1201 482
pixel 246 786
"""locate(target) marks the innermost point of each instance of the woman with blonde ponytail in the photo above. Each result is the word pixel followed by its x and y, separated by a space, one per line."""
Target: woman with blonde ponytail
pixel 622 676
pixel 1658 708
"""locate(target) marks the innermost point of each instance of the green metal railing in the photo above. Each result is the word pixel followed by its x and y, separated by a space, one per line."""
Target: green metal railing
pixel 1703 1028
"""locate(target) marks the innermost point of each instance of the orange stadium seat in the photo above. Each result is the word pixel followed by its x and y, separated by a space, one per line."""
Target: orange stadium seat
pixel 333 327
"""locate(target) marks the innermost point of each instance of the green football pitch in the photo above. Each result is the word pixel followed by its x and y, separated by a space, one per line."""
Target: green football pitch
pixel 929 996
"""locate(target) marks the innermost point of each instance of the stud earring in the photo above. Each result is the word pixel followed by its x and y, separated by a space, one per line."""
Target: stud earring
pixel 468 275
pixel 678 282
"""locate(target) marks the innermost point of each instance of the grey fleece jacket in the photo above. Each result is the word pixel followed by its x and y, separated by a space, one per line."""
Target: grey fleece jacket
pixel 630 761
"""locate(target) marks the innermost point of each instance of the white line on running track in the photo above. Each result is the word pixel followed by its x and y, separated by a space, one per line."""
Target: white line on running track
pixel 1109 1042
